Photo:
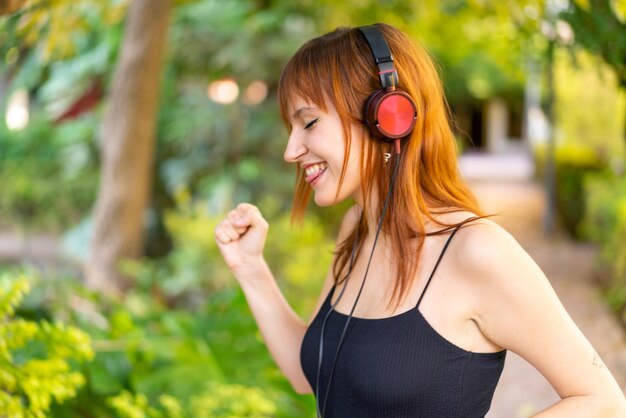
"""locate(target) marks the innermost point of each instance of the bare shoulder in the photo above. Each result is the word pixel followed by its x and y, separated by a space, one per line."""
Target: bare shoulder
pixel 482 244
pixel 500 278
pixel 490 262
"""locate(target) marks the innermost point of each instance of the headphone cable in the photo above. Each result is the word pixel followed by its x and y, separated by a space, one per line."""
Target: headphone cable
pixel 380 223
pixel 321 348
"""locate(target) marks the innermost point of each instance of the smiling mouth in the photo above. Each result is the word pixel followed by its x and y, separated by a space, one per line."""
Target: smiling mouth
pixel 314 171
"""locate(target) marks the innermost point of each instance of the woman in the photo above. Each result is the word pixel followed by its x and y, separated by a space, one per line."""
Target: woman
pixel 399 340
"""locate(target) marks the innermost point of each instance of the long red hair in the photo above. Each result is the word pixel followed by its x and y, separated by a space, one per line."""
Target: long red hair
pixel 339 67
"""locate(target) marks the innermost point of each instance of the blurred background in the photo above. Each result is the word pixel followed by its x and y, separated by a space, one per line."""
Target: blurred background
pixel 129 128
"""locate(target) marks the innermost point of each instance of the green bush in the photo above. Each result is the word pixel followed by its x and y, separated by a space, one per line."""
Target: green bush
pixel 572 165
pixel 605 224
pixel 221 401
pixel 36 358
pixel 152 358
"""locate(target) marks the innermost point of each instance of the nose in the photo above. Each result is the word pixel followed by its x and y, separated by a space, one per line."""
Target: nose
pixel 295 147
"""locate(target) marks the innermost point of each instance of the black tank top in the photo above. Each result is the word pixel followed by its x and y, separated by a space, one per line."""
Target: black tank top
pixel 398 367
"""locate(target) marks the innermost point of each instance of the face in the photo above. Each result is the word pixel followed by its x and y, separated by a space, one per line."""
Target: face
pixel 317 144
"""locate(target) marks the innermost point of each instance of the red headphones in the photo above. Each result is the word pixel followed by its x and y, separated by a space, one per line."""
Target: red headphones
pixel 389 112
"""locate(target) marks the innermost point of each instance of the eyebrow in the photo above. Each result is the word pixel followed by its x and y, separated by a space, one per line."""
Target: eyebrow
pixel 302 109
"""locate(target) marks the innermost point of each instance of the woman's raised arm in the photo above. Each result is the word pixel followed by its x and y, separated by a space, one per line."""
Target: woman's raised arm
pixel 241 239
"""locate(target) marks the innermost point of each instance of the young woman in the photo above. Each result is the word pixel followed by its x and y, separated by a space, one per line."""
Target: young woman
pixel 400 330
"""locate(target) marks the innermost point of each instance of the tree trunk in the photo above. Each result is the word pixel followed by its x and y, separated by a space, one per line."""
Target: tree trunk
pixel 10 6
pixel 128 132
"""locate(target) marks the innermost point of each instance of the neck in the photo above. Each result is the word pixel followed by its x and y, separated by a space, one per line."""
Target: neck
pixel 372 217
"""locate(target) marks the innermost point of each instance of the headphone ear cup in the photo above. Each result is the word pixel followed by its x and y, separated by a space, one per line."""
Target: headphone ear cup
pixel 391 114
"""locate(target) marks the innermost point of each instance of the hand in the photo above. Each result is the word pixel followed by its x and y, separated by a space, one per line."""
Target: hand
pixel 241 236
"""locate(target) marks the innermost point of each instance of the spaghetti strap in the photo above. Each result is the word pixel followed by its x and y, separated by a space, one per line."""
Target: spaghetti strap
pixel 445 247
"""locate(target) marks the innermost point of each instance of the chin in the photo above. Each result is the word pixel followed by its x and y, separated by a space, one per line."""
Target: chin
pixel 324 201
pixel 328 199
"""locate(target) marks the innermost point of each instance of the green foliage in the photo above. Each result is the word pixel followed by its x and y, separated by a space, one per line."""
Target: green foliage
pixel 193 267
pixel 300 257
pixel 59 48
pixel 46 174
pixel 201 142
pixel 599 27
pixel 45 25
pixel 589 112
pixel 589 107
pixel 198 358
pixel 572 165
pixel 570 201
pixel 36 357
pixel 605 224
pixel 233 401
pixel 484 46
pixel 127 405
pixel 221 401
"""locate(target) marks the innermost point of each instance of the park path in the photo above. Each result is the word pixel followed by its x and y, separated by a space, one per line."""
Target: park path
pixel 503 184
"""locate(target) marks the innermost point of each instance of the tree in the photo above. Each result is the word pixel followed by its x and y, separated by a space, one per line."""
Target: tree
pixel 128 133
pixel 598 29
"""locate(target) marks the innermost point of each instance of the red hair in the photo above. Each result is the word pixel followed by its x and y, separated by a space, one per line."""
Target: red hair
pixel 339 67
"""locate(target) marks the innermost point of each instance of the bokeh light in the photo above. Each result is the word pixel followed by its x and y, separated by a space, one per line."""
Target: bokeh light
pixel 17 110
pixel 255 93
pixel 223 91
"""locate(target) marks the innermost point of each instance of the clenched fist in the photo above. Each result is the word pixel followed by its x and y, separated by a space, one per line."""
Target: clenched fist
pixel 241 236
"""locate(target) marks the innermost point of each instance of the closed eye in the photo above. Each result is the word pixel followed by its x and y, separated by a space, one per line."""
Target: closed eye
pixel 310 124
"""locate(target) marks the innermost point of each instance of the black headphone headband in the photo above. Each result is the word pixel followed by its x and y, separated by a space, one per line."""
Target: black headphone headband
pixel 382 56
